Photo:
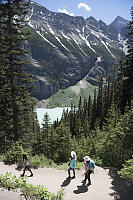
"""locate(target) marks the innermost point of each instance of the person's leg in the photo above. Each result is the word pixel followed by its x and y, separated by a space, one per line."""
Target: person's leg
pixel 28 167
pixel 24 171
pixel 86 175
pixel 69 172
pixel 73 172
pixel 89 180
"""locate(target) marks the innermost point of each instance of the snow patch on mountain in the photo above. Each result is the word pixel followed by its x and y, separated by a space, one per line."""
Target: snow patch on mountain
pixel 30 24
pixel 35 62
pixel 35 3
pixel 76 37
pixel 45 39
pixel 87 43
pixel 107 48
pixel 123 43
pixel 98 59
pixel 28 17
pixel 61 43
pixel 80 48
pixel 95 33
pixel 65 36
pixel 78 30
pixel 51 30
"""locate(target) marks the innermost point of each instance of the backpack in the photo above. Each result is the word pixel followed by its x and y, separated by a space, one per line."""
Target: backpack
pixel 92 165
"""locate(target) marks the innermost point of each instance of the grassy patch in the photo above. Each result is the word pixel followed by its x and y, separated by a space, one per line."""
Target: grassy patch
pixel 64 98
pixel 64 166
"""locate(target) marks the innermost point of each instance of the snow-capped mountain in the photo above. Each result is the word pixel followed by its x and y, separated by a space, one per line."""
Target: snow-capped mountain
pixel 65 49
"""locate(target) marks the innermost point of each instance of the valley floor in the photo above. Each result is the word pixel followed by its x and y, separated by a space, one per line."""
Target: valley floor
pixel 106 184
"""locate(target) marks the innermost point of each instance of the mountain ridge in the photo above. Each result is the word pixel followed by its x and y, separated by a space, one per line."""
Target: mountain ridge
pixel 119 23
pixel 66 49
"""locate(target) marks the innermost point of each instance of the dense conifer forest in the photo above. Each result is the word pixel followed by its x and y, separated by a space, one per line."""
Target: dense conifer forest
pixel 101 127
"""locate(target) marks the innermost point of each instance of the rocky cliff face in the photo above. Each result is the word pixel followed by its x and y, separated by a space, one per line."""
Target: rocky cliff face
pixel 65 49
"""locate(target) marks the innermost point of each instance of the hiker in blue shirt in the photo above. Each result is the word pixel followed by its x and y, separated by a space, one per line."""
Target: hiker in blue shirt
pixel 89 166
pixel 72 164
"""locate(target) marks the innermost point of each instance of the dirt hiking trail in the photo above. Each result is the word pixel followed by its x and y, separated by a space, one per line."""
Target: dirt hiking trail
pixel 106 184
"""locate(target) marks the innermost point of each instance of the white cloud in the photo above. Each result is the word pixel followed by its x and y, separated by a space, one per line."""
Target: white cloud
pixel 65 11
pixel 85 6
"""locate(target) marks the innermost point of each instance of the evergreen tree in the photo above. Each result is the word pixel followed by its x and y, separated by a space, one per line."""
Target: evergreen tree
pixel 79 111
pixel 72 121
pixel 114 145
pixel 89 107
pixel 100 98
pixel 128 71
pixel 33 138
pixel 46 136
pixel 94 112
pixel 63 143
pixel 15 103
pixel 4 89
pixel 105 101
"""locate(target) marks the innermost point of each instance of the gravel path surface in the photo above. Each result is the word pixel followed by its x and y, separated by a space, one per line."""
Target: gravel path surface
pixel 106 184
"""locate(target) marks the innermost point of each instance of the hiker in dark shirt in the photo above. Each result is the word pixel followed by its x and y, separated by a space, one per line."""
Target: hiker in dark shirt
pixel 89 166
pixel 26 165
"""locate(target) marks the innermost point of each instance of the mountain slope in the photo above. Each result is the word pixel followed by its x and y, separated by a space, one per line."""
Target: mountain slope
pixel 119 23
pixel 65 49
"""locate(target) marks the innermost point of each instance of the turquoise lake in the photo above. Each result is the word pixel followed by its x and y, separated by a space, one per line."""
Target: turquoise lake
pixel 53 113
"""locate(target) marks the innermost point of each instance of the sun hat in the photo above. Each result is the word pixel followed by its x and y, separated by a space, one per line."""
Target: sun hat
pixel 73 154
pixel 87 158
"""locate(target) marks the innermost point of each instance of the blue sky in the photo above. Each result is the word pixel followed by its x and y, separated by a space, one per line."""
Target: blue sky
pixel 106 10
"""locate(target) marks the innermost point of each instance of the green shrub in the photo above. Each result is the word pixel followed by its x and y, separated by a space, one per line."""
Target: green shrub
pixel 29 191
pixel 127 170
pixel 40 161
pixel 2 157
pixel 14 155
pixel 11 182
pixel 98 161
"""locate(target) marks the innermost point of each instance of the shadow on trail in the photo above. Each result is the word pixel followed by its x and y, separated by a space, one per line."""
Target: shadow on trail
pixel 123 188
pixel 81 189
pixel 66 182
